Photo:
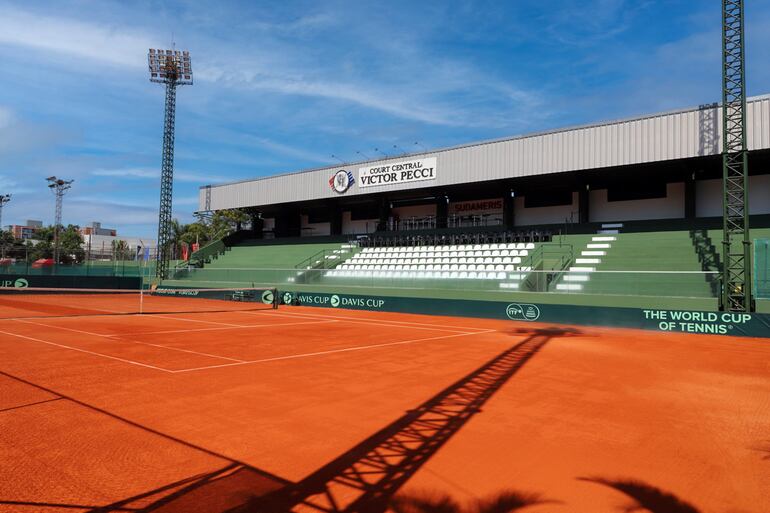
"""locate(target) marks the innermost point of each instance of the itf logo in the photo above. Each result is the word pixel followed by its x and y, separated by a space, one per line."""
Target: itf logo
pixel 523 312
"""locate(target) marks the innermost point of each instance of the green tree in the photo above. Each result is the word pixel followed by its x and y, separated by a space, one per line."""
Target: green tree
pixel 225 222
pixel 70 244
pixel 120 250
pixel 11 247
pixel 221 224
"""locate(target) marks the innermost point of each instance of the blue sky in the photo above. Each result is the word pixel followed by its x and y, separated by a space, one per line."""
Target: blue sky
pixel 283 86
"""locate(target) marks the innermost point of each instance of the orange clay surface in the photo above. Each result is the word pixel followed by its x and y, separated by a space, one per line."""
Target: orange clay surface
pixel 253 410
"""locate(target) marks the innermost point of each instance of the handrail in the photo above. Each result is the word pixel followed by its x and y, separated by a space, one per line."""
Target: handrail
pixel 308 262
pixel 212 249
pixel 563 251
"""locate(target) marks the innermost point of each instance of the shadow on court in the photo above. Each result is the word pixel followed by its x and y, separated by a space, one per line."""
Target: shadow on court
pixel 503 502
pixel 645 496
pixel 216 491
pixel 366 477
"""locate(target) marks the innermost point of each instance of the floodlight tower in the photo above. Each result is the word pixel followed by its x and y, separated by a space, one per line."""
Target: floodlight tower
pixel 4 198
pixel 170 67
pixel 58 187
pixel 736 242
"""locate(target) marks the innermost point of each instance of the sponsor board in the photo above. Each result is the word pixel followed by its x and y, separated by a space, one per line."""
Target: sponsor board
pixel 268 297
pixel 406 171
pixel 176 292
pixel 341 301
pixel 18 283
pixel 487 206
pixel 715 323
pixel 680 321
pixel 69 281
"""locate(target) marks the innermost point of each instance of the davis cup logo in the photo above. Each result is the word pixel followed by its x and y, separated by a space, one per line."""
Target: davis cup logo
pixel 341 181
pixel 21 283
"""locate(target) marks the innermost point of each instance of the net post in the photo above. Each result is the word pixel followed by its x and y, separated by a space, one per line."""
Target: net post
pixel 276 299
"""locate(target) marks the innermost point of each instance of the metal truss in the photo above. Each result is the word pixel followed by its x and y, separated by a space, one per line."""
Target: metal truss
pixel 166 183
pixel 736 293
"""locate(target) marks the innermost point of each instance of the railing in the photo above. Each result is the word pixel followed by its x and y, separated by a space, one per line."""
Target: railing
pixel 210 251
pixel 321 261
pixel 213 249
pixel 550 260
pixel 472 221
pixel 605 285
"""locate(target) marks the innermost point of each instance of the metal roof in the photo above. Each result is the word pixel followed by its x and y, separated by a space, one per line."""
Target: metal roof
pixel 675 134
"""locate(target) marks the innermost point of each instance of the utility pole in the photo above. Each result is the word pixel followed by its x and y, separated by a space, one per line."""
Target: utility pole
pixel 172 68
pixel 59 187
pixel 736 242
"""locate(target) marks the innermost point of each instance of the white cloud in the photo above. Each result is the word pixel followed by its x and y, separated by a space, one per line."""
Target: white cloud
pixel 152 174
pixel 102 43
pixel 281 67
pixel 6 117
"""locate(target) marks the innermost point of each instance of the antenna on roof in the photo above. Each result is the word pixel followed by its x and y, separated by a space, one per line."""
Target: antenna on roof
pixel 364 155
pixel 399 148
pixel 381 152
pixel 336 157
pixel 417 143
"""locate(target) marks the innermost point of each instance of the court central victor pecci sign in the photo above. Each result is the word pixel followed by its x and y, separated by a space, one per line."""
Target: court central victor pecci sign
pixel 406 171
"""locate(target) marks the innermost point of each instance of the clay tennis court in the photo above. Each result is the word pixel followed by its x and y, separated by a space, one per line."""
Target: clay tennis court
pixel 310 409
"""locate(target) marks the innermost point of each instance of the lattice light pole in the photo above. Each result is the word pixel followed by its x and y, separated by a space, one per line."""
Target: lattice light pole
pixel 170 67
pixel 736 244
pixel 4 198
pixel 59 187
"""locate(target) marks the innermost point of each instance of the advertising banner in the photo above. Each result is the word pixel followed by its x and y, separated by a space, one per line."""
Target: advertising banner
pixel 477 207
pixel 406 171
pixel 65 281
pixel 679 321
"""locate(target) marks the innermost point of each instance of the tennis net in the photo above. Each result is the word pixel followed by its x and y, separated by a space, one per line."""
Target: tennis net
pixel 69 302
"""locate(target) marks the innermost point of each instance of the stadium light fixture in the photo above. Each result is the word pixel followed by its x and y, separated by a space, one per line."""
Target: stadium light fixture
pixel 170 65
pixel 5 198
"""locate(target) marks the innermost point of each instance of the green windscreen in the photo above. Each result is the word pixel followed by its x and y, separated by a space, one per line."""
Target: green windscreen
pixel 762 268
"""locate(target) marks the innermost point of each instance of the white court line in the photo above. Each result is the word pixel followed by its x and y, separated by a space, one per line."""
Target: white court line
pixel 375 322
pixel 222 328
pixel 199 320
pixel 133 341
pixel 331 351
pixel 89 352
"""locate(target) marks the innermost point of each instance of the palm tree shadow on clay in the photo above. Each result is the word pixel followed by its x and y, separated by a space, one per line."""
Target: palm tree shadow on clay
pixel 646 497
pixel 507 501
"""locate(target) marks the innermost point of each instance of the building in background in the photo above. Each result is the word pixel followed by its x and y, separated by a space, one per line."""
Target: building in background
pixel 102 247
pixel 660 168
pixel 25 231
pixel 96 229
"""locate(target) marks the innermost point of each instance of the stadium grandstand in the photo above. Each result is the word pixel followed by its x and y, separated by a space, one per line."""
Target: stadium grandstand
pixel 622 213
